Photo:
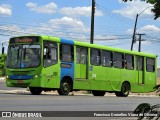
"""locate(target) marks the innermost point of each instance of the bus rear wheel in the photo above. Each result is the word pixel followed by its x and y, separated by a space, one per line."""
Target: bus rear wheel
pixel 125 90
pixel 35 90
pixel 65 87
pixel 98 93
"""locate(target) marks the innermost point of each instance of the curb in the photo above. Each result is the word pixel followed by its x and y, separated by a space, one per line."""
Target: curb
pixel 71 94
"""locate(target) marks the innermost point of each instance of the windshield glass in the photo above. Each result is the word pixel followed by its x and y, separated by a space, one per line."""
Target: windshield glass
pixel 23 56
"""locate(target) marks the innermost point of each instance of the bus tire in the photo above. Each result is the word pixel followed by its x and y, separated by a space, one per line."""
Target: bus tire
pixel 65 87
pixel 35 90
pixel 125 90
pixel 98 93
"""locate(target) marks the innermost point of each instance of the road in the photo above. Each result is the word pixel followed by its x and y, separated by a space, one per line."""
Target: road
pixel 11 100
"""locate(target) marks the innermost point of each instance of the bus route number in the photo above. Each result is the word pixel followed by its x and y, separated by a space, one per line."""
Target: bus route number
pixel 94 75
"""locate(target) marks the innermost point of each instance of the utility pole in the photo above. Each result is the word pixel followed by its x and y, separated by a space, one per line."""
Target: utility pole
pixel 2 49
pixel 3 46
pixel 92 22
pixel 134 32
pixel 139 49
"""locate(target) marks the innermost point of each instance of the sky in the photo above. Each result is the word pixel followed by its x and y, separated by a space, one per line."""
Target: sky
pixel 71 19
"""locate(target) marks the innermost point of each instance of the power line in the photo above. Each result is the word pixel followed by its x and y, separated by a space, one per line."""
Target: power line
pixel 118 43
pixel 113 38
pixel 107 12
pixel 117 17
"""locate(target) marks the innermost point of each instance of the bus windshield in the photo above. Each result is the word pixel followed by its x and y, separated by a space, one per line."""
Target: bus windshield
pixel 23 56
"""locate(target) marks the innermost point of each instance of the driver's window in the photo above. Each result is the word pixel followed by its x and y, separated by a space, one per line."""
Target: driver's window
pixel 50 53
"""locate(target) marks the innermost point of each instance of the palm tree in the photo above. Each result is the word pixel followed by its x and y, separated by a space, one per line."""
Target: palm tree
pixel 148 111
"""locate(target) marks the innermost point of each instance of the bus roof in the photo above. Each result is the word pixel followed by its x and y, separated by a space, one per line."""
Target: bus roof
pixel 85 44
pixel 114 49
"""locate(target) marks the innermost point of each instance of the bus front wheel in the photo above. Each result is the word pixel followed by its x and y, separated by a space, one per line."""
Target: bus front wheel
pixel 65 87
pixel 125 90
pixel 35 90
pixel 98 93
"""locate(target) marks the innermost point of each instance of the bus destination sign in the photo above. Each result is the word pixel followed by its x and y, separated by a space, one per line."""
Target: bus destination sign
pixel 24 40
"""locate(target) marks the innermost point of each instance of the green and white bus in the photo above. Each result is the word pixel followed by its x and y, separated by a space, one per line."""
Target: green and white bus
pixel 51 63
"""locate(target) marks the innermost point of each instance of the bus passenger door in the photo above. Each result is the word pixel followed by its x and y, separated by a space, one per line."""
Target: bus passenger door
pixel 140 69
pixel 81 62
pixel 50 70
pixel 81 70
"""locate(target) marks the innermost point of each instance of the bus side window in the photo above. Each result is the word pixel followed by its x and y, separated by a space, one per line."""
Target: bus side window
pixel 129 62
pixel 78 53
pixel 139 61
pixel 66 53
pixel 50 53
pixel 118 60
pixel 106 59
pixel 95 57
pixel 81 55
pixel 150 65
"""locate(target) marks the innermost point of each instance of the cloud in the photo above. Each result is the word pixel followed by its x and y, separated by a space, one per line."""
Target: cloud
pixel 149 28
pixel 11 30
pixel 65 27
pixel 135 7
pixel 5 9
pixel 79 11
pixel 145 29
pixel 49 8
pixel 68 23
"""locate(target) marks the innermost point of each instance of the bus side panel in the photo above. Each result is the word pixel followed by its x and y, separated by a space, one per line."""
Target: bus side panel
pixel 104 83
pixel 138 85
pixel 67 69
pixel 150 81
pixel 98 78
pixel 50 76
pixel 129 76
pixel 114 78
pixel 81 84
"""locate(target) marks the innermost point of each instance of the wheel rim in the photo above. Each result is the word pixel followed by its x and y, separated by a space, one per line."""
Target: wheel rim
pixel 65 87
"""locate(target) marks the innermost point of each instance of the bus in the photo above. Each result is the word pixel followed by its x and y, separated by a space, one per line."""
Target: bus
pixel 43 63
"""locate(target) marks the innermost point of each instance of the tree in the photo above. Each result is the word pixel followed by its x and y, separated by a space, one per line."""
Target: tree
pixel 2 64
pixel 155 10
